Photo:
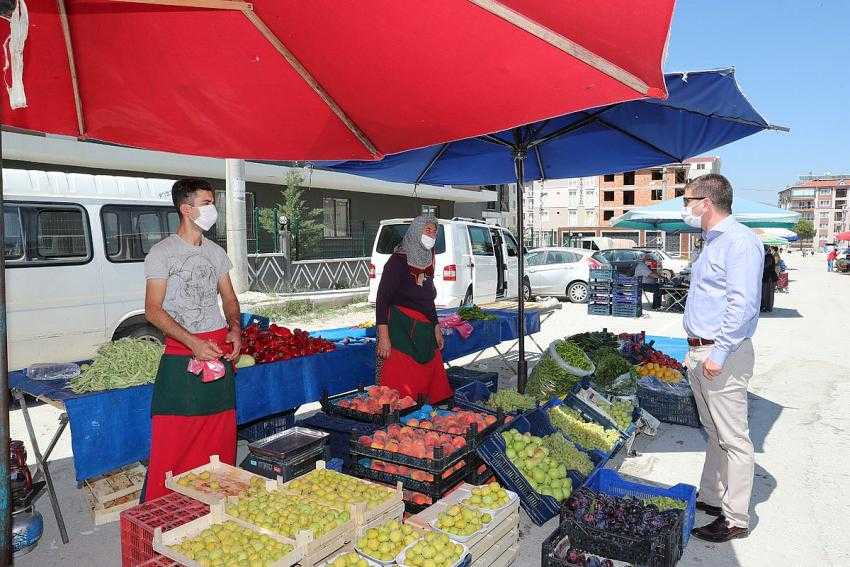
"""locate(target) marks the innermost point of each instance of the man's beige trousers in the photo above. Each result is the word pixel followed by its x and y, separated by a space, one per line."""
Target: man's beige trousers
pixel 727 476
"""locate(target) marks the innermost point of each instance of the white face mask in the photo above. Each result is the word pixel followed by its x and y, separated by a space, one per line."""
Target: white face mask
pixel 207 215
pixel 690 218
pixel 428 241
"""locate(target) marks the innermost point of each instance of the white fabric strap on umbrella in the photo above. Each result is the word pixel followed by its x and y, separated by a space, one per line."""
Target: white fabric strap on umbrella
pixel 13 49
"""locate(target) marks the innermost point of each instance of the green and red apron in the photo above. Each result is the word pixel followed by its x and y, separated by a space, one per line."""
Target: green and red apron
pixel 415 364
pixel 191 419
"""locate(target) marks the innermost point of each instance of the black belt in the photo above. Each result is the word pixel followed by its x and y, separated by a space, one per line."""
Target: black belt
pixel 696 341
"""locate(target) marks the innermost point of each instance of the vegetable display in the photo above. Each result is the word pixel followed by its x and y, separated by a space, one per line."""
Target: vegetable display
pixel 573 355
pixel 548 379
pixel 586 434
pixel 619 410
pixel 510 401
pixel 593 341
pixel 610 365
pixel 279 343
pixel 567 453
pixel 119 364
pixel 474 313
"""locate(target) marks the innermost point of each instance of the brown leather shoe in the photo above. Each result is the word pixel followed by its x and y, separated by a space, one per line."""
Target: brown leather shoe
pixel 709 509
pixel 719 531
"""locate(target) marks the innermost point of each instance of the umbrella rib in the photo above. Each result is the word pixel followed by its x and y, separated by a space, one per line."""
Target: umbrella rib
pixel 566 45
pixel 311 81
pixel 208 4
pixel 639 139
pixel 431 164
pixel 536 149
pixel 495 140
pixel 566 129
pixel 72 67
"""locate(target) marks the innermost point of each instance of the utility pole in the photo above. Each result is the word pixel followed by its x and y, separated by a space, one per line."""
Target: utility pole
pixel 236 223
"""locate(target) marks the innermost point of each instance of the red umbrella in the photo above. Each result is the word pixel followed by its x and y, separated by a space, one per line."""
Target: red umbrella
pixel 843 235
pixel 327 79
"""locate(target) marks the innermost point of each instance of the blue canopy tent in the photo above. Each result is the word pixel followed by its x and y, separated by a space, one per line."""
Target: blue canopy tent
pixel 667 216
pixel 704 110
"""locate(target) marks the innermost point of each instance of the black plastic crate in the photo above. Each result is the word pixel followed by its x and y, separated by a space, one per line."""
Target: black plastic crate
pixel 435 488
pixel 340 430
pixel 330 405
pixel 474 395
pixel 266 426
pixel 552 545
pixel 598 309
pixel 669 408
pixel 460 376
pixel 437 465
pixel 473 436
pixel 479 471
pixel 289 469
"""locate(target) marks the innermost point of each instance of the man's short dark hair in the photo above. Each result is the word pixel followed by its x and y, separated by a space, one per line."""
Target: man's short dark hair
pixel 184 189
pixel 715 187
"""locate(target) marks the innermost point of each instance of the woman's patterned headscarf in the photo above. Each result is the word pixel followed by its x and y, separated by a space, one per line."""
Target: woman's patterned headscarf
pixel 417 255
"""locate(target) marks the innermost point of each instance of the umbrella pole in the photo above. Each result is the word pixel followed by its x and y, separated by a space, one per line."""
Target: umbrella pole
pixel 5 496
pixel 522 366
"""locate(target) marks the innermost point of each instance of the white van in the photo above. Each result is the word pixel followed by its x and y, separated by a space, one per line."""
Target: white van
pixel 605 243
pixel 75 246
pixel 475 262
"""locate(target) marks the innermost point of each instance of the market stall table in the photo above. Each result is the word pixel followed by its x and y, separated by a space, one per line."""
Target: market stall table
pixel 676 294
pixel 112 428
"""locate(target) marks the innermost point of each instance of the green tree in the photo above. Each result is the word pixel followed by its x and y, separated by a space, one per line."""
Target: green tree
pixel 805 229
pixel 304 223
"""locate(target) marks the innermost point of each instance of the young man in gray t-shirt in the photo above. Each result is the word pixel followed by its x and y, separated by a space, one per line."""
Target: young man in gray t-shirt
pixel 186 274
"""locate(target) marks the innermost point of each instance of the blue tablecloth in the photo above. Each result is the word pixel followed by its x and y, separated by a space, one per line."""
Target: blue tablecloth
pixel 671 346
pixel 508 319
pixel 340 333
pixel 485 334
pixel 112 429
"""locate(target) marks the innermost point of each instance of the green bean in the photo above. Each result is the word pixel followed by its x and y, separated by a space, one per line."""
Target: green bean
pixel 120 364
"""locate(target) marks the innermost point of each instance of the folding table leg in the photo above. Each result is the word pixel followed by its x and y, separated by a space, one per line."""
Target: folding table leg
pixel 42 466
pixel 504 360
pixel 63 422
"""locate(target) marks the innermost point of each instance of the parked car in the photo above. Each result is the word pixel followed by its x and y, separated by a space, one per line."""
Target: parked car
pixel 625 260
pixel 559 272
pixel 75 246
pixel 670 265
pixel 475 262
pixel 594 243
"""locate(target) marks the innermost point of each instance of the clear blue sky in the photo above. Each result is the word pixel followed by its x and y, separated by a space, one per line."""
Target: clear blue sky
pixel 792 59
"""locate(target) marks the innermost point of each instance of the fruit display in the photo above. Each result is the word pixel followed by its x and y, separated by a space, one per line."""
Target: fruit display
pixel 417 498
pixel 530 455
pixel 592 341
pixel 339 489
pixel 413 441
pixel 410 472
pixel 433 550
pixel 666 374
pixel 462 521
pixel 350 559
pixel 619 410
pixel 458 421
pixel 548 379
pixel 572 355
pixel 487 497
pixel 510 401
pixel 586 434
pixel 225 483
pixel 627 516
pixel 579 558
pixel 231 544
pixel 287 514
pixel 373 400
pixel 279 343
pixel 384 542
pixel 567 453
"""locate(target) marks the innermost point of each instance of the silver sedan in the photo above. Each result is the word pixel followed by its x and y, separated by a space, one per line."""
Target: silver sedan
pixel 559 272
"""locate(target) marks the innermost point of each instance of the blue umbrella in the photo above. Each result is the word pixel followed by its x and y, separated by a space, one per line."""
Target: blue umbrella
pixel 704 110
pixel 667 216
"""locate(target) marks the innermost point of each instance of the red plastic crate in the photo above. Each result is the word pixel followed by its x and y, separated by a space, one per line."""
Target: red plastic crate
pixel 160 561
pixel 138 523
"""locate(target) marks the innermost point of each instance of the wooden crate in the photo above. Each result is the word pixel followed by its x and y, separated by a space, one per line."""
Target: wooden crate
pixel 362 515
pixel 111 494
pixel 396 513
pixel 506 559
pixel 163 540
pixel 236 481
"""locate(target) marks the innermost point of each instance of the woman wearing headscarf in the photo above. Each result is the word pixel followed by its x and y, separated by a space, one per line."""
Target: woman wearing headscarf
pixel 409 338
pixel 768 281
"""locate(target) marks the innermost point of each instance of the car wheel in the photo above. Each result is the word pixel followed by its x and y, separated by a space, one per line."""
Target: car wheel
pixel 142 332
pixel 577 292
pixel 526 291
pixel 467 299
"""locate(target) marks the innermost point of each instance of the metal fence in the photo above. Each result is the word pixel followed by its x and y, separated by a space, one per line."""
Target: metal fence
pixel 358 243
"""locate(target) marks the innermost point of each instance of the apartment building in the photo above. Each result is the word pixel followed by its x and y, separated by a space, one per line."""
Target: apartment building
pixel 553 204
pixel 821 199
